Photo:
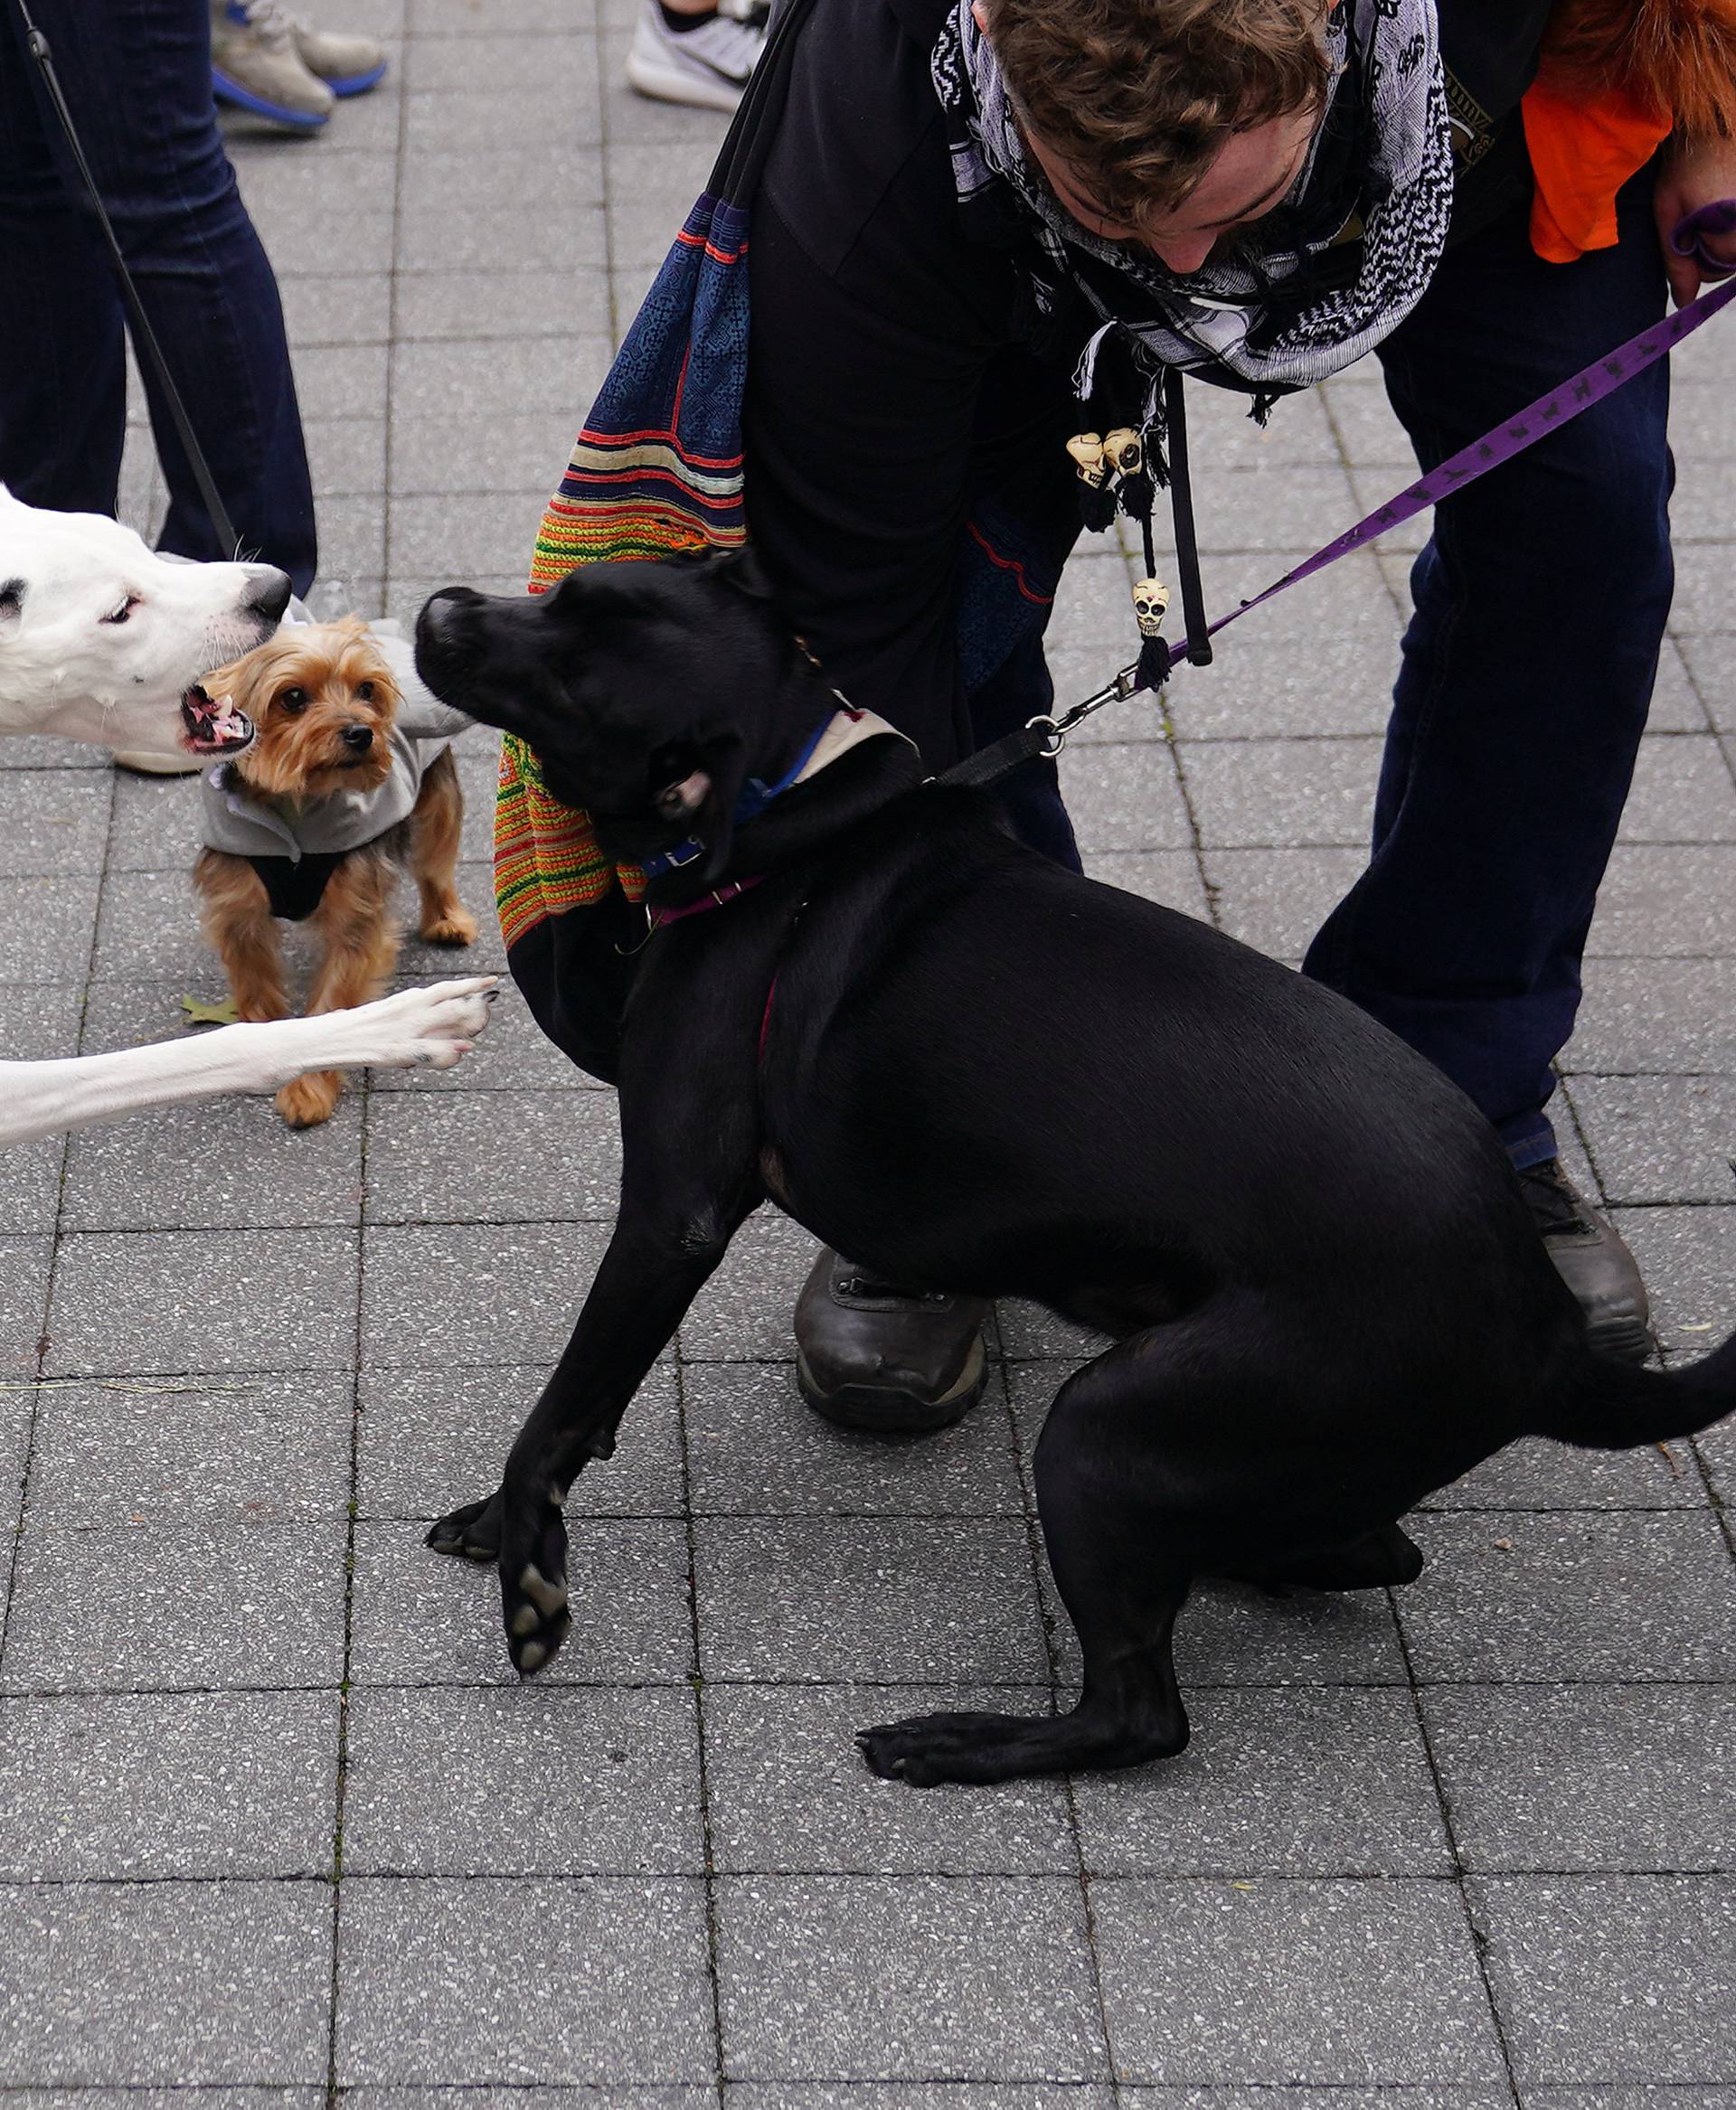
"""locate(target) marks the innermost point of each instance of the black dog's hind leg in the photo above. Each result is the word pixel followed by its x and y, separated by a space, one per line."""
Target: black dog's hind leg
pixel 1121 1566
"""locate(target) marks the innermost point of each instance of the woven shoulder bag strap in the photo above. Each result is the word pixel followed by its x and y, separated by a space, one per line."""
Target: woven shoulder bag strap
pixel 735 174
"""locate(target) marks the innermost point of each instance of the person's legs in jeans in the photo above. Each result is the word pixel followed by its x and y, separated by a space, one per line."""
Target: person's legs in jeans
pixel 1527 672
pixel 137 77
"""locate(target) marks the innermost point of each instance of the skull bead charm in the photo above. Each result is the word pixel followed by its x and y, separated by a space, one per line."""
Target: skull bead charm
pixel 1150 602
pixel 1122 450
pixel 1087 450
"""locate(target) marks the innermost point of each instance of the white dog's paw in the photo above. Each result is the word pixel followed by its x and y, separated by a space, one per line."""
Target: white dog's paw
pixel 436 1025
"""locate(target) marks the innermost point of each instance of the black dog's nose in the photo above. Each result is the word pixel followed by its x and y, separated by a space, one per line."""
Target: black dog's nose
pixel 271 597
pixel 359 737
pixel 440 608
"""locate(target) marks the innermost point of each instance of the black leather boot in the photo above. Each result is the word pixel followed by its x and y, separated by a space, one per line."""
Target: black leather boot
pixel 1591 1259
pixel 871 1356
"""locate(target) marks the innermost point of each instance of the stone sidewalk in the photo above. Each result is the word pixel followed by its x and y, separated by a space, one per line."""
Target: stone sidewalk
pixel 275 1819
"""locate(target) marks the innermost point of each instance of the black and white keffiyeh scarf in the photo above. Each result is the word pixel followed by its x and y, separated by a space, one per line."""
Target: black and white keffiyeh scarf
pixel 1269 314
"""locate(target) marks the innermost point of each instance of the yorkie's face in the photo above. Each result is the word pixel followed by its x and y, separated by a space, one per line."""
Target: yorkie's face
pixel 322 701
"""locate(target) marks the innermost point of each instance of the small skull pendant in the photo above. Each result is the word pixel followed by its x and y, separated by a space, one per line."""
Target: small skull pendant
pixel 1150 604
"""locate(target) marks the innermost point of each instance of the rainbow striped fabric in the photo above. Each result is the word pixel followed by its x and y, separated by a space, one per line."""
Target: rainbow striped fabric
pixel 656 468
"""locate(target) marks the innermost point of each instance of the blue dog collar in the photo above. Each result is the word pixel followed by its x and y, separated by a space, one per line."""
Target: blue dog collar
pixel 755 797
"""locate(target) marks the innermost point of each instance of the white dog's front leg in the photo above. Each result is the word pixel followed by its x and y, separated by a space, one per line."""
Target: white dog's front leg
pixel 434 1025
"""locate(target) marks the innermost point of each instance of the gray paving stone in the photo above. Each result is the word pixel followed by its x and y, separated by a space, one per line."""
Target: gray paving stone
pixel 483 119
pixel 259 1300
pixel 448 379
pixel 1659 1138
pixel 1240 509
pixel 1534 1474
pixel 206 1452
pixel 742 1314
pixel 468 211
pixel 148 930
pixel 46 932
pixel 485 956
pixel 591 1979
pixel 1125 797
pixel 439 65
pixel 1331 1782
pixel 887 1599
pixel 1634 1596
pixel 24 1264
pixel 1688 1259
pixel 522 1782
pixel 354 309
pixel 52 822
pixel 756 1448
pixel 431 1439
pixel 1640 1014
pixel 651 191
pixel 435 304
pixel 1678 899
pixel 164 1984
pixel 915 2096
pixel 1275 899
pixel 167 2098
pixel 346 457
pixel 491 532
pixel 974 1977
pixel 422 1618
pixel 1269 1981
pixel 1609 1978
pixel 231 1165
pixel 127 1610
pixel 1682 792
pixel 1489 2097
pixel 444 1295
pixel 154 827
pixel 516 2095
pixel 525 452
pixel 493 1157
pixel 1233 1636
pixel 1701 606
pixel 788 1792
pixel 30 1199
pixel 1271 688
pixel 1629 1777
pixel 155 1784
pixel 1252 794
pixel 1170 877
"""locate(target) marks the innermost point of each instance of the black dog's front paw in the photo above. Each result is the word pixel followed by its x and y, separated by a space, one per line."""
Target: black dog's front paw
pixel 533 1586
pixel 472 1532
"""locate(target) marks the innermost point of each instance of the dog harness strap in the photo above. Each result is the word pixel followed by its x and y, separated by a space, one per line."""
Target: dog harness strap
pixel 714 899
pixel 295 887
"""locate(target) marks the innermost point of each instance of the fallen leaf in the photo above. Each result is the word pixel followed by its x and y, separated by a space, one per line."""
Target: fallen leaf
pixel 209 1014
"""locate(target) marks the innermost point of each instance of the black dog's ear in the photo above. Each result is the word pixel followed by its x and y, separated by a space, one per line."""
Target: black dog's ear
pixel 743 570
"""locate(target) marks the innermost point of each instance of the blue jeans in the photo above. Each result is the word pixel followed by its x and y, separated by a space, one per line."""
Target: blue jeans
pixel 1540 606
pixel 137 74
pixel 1527 670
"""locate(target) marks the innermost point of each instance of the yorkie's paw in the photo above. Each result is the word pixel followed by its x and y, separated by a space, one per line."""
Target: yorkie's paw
pixel 472 1532
pixel 306 1101
pixel 453 925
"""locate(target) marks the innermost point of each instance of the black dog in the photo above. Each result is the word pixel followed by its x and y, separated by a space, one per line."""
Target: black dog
pixel 960 1064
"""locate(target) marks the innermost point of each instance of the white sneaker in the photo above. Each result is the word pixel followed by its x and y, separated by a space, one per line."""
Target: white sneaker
pixel 706 66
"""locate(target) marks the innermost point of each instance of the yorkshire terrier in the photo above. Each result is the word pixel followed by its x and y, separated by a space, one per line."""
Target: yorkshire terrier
pixel 345 784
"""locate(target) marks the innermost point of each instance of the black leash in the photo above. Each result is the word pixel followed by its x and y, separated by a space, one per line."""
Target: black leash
pixel 144 336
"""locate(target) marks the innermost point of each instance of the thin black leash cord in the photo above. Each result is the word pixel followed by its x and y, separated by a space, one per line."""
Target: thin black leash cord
pixel 144 336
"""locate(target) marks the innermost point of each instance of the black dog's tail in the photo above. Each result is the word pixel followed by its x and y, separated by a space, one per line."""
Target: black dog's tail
pixel 1603 1404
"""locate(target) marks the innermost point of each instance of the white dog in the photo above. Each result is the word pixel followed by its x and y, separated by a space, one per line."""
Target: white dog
pixel 102 640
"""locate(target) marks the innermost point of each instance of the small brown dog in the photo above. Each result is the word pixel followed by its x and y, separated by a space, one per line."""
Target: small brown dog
pixel 345 785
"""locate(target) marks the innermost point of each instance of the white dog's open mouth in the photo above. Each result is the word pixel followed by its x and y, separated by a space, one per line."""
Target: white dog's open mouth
pixel 213 725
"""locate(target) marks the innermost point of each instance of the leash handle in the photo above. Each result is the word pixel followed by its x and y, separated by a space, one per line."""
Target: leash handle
pixel 1558 407
pixel 144 336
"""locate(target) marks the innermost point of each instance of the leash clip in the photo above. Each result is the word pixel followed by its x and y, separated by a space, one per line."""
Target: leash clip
pixel 1057 736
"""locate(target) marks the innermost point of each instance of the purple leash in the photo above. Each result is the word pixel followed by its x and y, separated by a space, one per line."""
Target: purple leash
pixel 1603 378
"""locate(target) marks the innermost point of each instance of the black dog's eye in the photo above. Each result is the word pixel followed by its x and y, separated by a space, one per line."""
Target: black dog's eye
pixel 672 801
pixel 292 701
pixel 365 691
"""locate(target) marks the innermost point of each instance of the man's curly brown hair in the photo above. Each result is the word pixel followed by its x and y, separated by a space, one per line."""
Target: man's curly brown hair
pixel 1139 96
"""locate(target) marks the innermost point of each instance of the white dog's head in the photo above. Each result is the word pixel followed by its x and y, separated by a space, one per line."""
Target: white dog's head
pixel 101 639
